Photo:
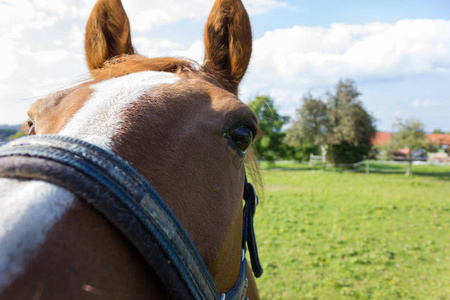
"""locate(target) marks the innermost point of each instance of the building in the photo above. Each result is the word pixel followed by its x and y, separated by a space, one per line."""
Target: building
pixel 441 139
pixel 381 138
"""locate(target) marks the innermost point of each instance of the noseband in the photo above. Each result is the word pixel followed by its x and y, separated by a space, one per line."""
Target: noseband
pixel 122 195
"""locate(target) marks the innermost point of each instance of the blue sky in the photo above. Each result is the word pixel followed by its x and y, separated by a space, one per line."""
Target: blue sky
pixel 326 12
pixel 397 52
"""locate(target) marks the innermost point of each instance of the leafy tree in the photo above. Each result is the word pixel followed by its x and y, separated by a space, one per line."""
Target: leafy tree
pixel 437 131
pixel 17 135
pixel 5 132
pixel 350 126
pixel 308 131
pixel 270 146
pixel 409 133
pixel 341 124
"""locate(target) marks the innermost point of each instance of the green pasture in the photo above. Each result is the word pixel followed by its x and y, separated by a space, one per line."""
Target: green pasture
pixel 325 234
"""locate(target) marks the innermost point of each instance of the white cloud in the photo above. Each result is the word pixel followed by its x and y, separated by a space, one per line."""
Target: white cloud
pixel 258 7
pixel 301 57
pixel 44 58
pixel 165 47
pixel 17 110
pixel 306 54
pixel 195 52
pixel 154 47
pixel 425 103
pixel 39 73
pixel 8 63
pixel 76 37
pixel 145 14
pixel 17 16
pixel 379 112
pixel 20 15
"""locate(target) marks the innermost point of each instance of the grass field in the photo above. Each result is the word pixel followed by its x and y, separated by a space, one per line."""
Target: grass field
pixel 343 235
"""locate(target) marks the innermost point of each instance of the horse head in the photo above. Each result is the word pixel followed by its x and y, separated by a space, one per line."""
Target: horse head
pixel 179 124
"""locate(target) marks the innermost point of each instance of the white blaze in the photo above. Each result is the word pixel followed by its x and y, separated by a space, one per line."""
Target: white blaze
pixel 99 119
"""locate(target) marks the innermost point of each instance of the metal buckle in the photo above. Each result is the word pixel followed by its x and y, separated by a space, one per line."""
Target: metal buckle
pixel 254 193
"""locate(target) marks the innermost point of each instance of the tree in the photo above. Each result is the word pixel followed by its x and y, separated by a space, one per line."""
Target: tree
pixel 5 132
pixel 437 131
pixel 16 135
pixel 308 131
pixel 350 126
pixel 270 146
pixel 410 134
pixel 341 124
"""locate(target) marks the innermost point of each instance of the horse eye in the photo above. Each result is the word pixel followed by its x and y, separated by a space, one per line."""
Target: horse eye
pixel 242 137
pixel 31 130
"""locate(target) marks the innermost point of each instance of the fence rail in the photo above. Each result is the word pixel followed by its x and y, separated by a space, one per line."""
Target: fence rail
pixel 365 166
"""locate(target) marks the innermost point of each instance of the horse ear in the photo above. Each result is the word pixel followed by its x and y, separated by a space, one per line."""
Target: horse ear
pixel 107 33
pixel 228 42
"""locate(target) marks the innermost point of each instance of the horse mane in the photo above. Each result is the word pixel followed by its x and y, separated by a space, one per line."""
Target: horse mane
pixel 131 63
pixel 127 64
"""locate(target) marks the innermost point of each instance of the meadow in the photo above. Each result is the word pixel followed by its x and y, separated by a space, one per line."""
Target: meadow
pixel 325 234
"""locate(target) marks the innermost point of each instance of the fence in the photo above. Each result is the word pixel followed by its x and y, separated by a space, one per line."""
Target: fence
pixel 364 166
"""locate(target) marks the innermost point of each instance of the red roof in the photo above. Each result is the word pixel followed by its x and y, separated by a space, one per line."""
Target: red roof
pixel 381 138
pixel 439 138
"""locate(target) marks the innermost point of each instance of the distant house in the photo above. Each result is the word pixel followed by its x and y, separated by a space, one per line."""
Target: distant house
pixel 443 140
pixel 381 138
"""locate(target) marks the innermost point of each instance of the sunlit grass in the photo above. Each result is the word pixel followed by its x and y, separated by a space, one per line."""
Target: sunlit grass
pixel 337 235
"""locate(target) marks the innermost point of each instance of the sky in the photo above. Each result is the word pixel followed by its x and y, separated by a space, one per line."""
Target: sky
pixel 396 51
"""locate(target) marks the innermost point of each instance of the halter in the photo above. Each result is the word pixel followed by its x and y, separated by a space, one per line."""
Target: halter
pixel 115 189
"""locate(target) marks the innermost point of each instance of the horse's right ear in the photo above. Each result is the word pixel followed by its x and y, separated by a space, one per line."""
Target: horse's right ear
pixel 107 33
pixel 228 42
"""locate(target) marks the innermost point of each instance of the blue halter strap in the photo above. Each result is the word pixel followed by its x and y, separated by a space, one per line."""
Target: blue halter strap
pixel 116 190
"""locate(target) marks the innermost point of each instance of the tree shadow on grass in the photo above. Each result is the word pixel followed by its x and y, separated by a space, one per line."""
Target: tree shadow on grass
pixel 441 175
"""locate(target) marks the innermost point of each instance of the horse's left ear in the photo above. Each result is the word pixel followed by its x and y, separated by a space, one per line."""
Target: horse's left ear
pixel 228 42
pixel 107 33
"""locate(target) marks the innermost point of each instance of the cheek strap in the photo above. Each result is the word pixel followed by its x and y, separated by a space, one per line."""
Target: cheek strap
pixel 248 234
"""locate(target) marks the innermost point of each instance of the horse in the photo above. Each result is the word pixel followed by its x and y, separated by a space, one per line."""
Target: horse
pixel 181 127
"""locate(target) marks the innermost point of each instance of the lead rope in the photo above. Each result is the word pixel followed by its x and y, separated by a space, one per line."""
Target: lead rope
pixel 248 234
